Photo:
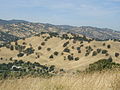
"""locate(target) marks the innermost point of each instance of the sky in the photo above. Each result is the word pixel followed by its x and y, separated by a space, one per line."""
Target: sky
pixel 97 13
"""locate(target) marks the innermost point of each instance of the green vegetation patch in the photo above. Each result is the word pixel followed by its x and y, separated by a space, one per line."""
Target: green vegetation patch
pixel 20 68
pixel 103 64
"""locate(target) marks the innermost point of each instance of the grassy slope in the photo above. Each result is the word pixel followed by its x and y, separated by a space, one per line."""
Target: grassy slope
pixel 95 81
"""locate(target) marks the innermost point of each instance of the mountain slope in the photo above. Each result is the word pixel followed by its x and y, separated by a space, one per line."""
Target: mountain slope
pixel 5 37
pixel 23 29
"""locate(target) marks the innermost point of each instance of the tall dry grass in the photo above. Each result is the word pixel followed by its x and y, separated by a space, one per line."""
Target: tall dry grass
pixel 107 80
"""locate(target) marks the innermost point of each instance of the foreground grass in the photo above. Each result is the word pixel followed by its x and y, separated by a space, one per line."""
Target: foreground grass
pixel 105 80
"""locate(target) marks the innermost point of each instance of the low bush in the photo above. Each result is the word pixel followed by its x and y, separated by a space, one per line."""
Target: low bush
pixel 108 46
pixel 43 43
pixel 70 57
pixel 39 48
pixel 51 56
pixel 48 49
pixel 20 54
pixel 94 53
pixel 66 50
pixel 117 54
pixel 104 51
pixel 56 53
pixel 65 44
pixel 77 58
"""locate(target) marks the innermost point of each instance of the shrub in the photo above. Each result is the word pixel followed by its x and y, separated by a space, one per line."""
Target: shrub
pixel 72 54
pixel 64 57
pixel 39 48
pixel 84 37
pixel 62 53
pixel 74 41
pixel 81 45
pixel 1 58
pixel 79 51
pixel 23 38
pixel 65 44
pixel 106 54
pixel 72 47
pixel 77 58
pixel 56 53
pixel 66 50
pixel 48 49
pixel 11 48
pixel 29 51
pixel 16 43
pixel 104 44
pixel 30 44
pixel 24 43
pixel 43 43
pixel 98 50
pixel 11 59
pixel 108 46
pixel 20 54
pixel 78 48
pixel 38 56
pixel 87 54
pixel 94 45
pixel 104 51
pixel 65 36
pixel 51 56
pixel 70 57
pixel 20 48
pixel 62 70
pixel 89 40
pixel 81 42
pixel 52 67
pixel 117 54
pixel 110 59
pixel 94 53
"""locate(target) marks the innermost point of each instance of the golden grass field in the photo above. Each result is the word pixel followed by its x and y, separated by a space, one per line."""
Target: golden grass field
pixel 105 80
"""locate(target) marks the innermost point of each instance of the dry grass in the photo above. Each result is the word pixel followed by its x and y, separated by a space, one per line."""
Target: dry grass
pixel 108 80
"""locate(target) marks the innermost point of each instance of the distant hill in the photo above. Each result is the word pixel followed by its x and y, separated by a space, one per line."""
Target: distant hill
pixel 11 21
pixel 23 29
pixel 93 32
pixel 3 22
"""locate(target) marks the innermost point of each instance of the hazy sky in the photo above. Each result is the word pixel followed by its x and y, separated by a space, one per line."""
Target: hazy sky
pixel 99 13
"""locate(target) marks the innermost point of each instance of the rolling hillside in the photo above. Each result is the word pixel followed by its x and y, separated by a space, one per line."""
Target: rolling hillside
pixel 68 51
